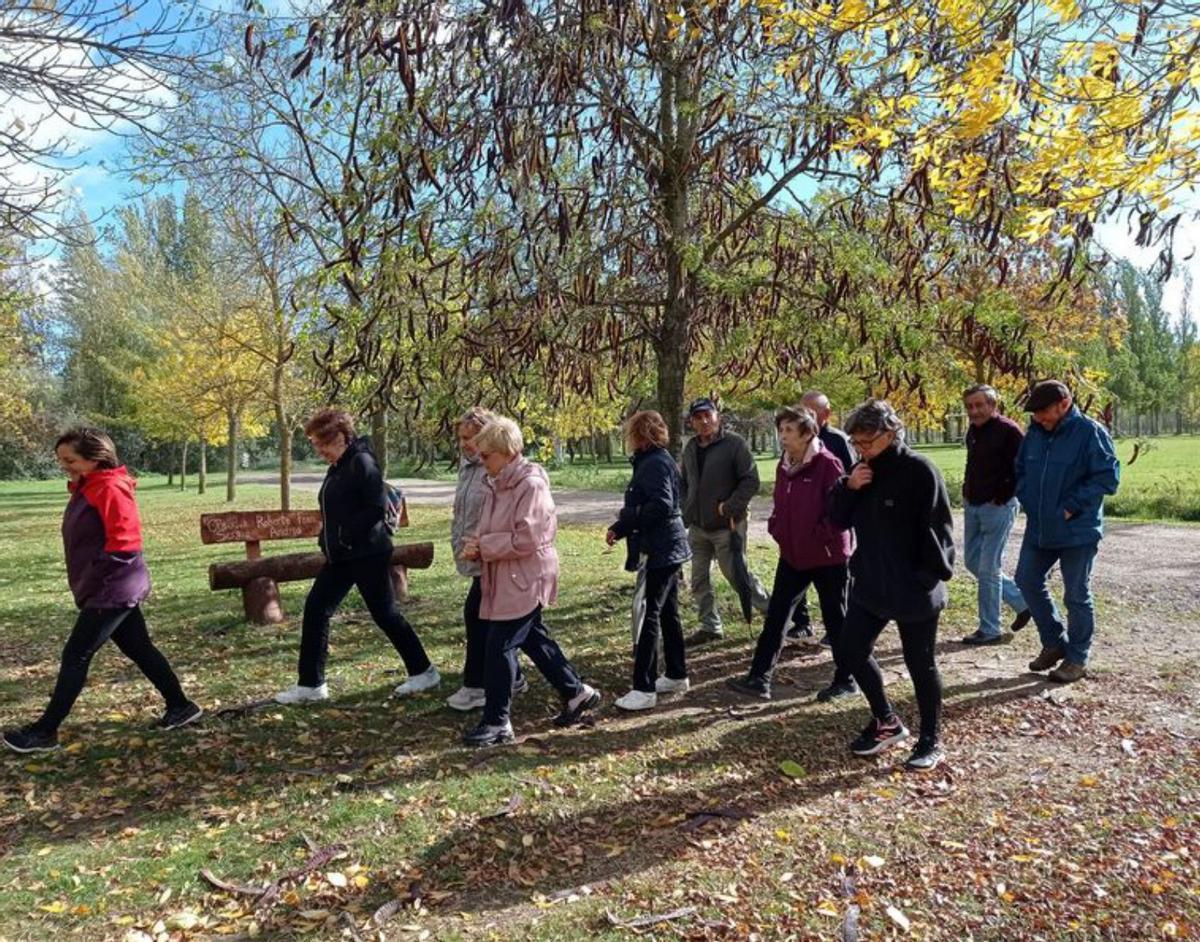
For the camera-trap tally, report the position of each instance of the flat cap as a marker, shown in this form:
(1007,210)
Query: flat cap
(1046,393)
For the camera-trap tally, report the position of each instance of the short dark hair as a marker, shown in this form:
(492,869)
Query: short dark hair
(989,391)
(91,444)
(874,415)
(327,424)
(798,415)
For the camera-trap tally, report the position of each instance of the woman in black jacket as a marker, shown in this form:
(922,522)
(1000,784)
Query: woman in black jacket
(896,501)
(652,526)
(358,552)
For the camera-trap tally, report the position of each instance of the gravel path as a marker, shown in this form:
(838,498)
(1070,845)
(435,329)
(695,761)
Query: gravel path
(1151,564)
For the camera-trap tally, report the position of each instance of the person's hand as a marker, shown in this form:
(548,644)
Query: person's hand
(1067,515)
(860,477)
(471,548)
(610,537)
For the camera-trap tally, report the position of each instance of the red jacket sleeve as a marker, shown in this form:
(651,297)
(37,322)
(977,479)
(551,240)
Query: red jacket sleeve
(119,514)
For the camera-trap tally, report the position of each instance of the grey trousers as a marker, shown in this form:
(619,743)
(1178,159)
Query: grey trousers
(707,544)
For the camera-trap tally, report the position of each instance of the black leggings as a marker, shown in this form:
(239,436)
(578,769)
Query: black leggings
(93,627)
(373,576)
(917,638)
(662,617)
(830,582)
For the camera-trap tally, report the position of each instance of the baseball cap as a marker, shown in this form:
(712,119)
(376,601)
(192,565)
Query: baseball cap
(1046,393)
(703,404)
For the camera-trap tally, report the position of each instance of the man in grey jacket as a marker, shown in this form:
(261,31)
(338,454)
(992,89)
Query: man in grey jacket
(719,480)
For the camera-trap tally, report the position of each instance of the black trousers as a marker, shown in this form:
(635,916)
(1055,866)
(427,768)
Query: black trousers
(94,626)
(662,617)
(528,634)
(372,575)
(477,632)
(917,638)
(830,583)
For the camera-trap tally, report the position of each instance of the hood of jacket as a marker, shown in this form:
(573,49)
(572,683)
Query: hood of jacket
(102,541)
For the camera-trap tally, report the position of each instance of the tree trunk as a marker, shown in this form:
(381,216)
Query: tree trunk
(285,440)
(235,421)
(379,427)
(202,481)
(183,465)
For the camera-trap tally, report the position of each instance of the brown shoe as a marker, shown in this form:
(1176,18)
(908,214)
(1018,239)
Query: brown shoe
(1047,659)
(1068,672)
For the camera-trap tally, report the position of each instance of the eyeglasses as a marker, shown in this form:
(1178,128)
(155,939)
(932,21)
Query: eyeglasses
(861,443)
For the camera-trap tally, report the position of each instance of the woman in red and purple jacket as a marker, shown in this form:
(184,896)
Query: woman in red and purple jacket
(102,536)
(811,550)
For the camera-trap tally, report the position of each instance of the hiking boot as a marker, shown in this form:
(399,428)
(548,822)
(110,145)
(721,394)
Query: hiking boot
(978,637)
(703,636)
(926,755)
(1047,659)
(179,716)
(836,690)
(302,694)
(484,735)
(30,739)
(1068,672)
(426,680)
(877,736)
(572,712)
(1020,621)
(751,686)
(465,699)
(672,685)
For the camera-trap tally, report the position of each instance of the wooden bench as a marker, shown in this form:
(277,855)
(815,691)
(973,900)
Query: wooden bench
(259,576)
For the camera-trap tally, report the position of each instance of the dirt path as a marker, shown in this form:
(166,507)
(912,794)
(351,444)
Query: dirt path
(1151,565)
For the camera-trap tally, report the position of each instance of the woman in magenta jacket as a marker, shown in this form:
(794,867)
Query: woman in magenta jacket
(102,538)
(515,543)
(812,551)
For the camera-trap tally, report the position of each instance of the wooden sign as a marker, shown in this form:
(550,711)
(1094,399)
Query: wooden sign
(254,525)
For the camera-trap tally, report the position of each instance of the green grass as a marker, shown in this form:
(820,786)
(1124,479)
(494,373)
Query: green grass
(1162,484)
(113,831)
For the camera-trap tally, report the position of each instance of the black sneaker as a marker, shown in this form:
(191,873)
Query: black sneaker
(179,716)
(926,755)
(703,636)
(835,691)
(826,641)
(573,710)
(978,637)
(1022,619)
(802,633)
(751,686)
(30,739)
(487,735)
(521,685)
(878,736)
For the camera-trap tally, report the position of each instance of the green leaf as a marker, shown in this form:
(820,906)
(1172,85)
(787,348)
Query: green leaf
(792,769)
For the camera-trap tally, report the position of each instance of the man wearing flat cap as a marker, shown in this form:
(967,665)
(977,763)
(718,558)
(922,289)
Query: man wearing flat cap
(1065,467)
(719,480)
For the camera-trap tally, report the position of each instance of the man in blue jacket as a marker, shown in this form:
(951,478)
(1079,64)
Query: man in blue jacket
(1065,466)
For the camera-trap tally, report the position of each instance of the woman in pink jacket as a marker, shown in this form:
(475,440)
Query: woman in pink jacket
(515,543)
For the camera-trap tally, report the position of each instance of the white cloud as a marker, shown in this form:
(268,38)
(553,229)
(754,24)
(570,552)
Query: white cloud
(1118,239)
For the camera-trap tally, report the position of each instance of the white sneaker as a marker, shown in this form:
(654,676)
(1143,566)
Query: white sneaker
(466,699)
(669,685)
(426,680)
(637,700)
(302,694)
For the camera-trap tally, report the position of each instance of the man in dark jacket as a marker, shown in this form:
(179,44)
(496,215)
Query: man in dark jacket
(989,510)
(837,444)
(719,480)
(1064,468)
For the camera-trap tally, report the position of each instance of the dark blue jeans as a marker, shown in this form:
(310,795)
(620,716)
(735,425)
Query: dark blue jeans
(1032,577)
(528,634)
(477,632)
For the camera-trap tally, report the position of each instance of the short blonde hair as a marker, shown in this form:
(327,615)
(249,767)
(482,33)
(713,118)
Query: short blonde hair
(646,428)
(500,435)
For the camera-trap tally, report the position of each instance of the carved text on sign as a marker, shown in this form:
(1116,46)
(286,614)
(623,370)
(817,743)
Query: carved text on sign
(255,525)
